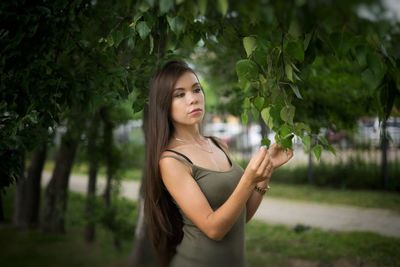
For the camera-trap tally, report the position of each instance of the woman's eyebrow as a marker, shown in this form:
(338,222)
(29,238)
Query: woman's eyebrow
(181,88)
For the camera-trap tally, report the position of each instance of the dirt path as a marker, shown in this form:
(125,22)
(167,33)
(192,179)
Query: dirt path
(289,212)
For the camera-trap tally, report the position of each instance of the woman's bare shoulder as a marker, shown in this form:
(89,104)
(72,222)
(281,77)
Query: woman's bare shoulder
(169,159)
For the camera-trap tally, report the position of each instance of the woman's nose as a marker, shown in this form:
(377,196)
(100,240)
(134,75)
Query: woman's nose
(193,98)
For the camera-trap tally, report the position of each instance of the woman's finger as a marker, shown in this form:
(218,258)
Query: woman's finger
(265,162)
(259,157)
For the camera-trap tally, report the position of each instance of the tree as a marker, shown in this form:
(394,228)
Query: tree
(54,66)
(93,158)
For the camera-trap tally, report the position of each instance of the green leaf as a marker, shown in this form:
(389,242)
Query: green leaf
(266,142)
(245,118)
(266,116)
(143,29)
(177,24)
(223,6)
(131,43)
(110,41)
(331,149)
(285,130)
(296,77)
(202,6)
(361,56)
(295,68)
(295,50)
(301,128)
(284,136)
(369,79)
(295,90)
(144,7)
(307,40)
(247,70)
(289,72)
(306,140)
(250,44)
(375,64)
(117,37)
(323,140)
(151,44)
(317,151)
(286,142)
(166,5)
(255,114)
(287,113)
(246,103)
(258,102)
(150,2)
(135,20)
(294,28)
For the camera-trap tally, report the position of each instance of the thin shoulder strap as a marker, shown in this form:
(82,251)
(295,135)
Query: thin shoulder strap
(180,154)
(219,146)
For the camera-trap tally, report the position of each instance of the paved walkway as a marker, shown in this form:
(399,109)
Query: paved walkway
(289,212)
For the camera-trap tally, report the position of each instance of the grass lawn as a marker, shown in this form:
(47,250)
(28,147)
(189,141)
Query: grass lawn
(360,198)
(34,248)
(274,245)
(267,245)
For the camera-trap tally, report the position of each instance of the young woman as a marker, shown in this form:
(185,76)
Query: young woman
(197,199)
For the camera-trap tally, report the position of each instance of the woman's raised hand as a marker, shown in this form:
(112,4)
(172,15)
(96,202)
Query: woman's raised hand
(260,166)
(279,156)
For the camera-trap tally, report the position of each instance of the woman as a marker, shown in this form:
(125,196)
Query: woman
(197,199)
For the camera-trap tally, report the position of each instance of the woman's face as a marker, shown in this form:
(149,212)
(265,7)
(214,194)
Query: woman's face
(187,105)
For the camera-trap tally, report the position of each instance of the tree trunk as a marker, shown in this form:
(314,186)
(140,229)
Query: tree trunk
(34,175)
(57,190)
(108,150)
(384,152)
(20,195)
(310,171)
(92,151)
(2,217)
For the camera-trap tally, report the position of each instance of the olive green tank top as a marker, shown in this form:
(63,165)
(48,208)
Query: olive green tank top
(196,249)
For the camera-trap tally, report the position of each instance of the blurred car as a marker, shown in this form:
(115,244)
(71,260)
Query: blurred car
(222,130)
(393,129)
(369,131)
(339,138)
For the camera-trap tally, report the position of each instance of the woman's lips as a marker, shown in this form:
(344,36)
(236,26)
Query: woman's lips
(197,110)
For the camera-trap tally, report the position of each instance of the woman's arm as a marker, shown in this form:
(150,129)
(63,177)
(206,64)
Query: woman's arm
(278,158)
(189,197)
(254,201)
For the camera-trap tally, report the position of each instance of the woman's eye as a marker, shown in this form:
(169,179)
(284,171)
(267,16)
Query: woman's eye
(180,95)
(197,90)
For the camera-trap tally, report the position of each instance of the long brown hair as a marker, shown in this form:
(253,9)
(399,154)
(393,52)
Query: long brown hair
(162,215)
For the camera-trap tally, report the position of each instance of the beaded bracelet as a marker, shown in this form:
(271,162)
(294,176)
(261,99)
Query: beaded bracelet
(260,190)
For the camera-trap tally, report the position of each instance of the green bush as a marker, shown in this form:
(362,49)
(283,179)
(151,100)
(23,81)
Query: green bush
(353,174)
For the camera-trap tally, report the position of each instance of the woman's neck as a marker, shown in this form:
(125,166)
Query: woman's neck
(187,133)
